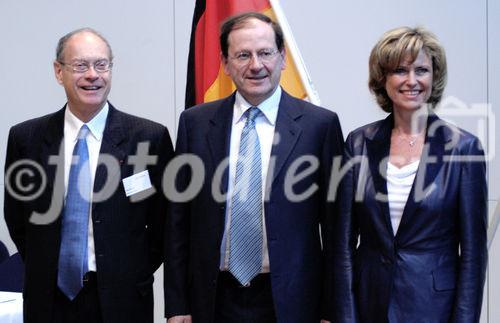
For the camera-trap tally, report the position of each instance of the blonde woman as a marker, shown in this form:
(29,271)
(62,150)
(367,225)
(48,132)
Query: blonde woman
(411,235)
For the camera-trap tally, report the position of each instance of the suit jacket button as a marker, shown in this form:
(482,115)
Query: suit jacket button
(386,261)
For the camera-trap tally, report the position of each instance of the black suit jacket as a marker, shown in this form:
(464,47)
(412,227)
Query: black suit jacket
(195,228)
(128,236)
(418,275)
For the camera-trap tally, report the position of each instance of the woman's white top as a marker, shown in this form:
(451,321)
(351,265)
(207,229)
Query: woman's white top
(399,183)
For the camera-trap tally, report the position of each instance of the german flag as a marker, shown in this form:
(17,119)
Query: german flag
(206,80)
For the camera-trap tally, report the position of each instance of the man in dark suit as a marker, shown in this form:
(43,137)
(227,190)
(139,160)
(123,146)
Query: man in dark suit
(89,254)
(249,246)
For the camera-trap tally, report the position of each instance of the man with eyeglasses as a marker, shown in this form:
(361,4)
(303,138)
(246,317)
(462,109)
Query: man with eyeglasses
(93,237)
(251,246)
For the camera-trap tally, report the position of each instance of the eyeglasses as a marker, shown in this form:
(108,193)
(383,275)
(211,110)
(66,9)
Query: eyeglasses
(264,56)
(100,66)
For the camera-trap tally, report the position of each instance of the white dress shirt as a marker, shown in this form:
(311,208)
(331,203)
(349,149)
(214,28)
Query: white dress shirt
(264,125)
(96,126)
(399,183)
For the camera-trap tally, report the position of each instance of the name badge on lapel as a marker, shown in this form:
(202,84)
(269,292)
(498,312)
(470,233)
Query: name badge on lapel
(137,183)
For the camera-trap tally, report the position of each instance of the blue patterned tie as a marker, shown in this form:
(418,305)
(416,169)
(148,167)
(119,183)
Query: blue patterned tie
(245,251)
(73,253)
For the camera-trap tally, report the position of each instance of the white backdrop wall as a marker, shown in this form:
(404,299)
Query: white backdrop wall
(150,41)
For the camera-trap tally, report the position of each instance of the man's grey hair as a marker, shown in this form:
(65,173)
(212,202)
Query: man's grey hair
(61,45)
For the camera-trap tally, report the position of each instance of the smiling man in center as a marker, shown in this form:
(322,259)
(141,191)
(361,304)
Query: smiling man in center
(257,255)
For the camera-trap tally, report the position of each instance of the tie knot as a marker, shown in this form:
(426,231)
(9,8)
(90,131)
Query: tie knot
(84,130)
(253,113)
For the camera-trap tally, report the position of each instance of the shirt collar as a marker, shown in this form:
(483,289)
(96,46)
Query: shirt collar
(269,107)
(96,125)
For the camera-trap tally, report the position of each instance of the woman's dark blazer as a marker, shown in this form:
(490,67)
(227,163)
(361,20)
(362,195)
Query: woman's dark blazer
(433,269)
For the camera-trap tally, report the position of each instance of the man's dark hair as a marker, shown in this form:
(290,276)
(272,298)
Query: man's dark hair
(239,21)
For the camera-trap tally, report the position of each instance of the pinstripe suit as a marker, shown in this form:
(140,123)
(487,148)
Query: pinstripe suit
(128,236)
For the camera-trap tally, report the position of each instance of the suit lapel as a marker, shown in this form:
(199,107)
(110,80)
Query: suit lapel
(378,149)
(218,137)
(286,133)
(430,165)
(112,139)
(52,145)
(287,129)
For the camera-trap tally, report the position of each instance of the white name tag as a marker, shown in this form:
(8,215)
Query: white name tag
(137,183)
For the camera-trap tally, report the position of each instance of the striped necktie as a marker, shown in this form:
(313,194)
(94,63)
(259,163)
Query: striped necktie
(245,249)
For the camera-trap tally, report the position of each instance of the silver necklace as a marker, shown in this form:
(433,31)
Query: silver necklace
(412,140)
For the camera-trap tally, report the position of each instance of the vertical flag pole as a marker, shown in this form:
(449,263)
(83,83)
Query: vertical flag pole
(493,226)
(295,53)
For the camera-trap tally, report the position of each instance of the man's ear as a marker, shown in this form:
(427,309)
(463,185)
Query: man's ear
(283,57)
(58,72)
(224,62)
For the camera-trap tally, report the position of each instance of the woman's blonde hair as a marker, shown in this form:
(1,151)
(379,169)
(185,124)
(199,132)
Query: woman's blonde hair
(395,46)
